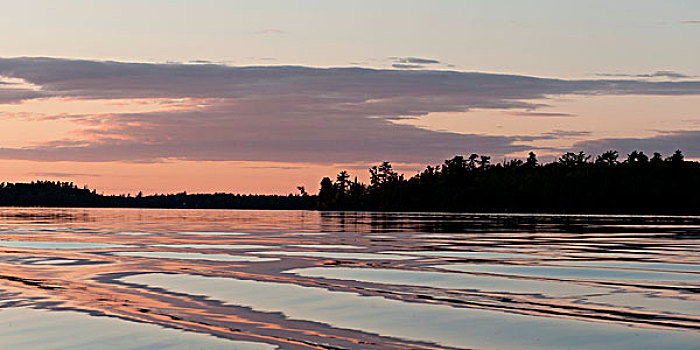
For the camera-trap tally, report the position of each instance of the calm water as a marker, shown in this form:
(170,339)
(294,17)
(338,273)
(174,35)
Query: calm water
(174,279)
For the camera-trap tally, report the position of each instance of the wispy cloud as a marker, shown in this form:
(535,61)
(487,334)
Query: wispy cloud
(412,62)
(415,60)
(287,114)
(658,74)
(691,22)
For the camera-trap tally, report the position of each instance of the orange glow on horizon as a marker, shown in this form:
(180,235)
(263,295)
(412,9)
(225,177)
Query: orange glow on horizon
(192,176)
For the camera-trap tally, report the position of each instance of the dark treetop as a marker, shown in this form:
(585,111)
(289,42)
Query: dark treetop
(66,194)
(575,183)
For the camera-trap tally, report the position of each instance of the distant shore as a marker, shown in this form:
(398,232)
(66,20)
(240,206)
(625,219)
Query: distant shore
(67,194)
(573,184)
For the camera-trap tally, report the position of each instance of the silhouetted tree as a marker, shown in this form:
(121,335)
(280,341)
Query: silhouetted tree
(608,158)
(484,161)
(342,181)
(327,194)
(571,159)
(637,157)
(656,159)
(473,160)
(456,166)
(382,174)
(513,163)
(531,161)
(677,157)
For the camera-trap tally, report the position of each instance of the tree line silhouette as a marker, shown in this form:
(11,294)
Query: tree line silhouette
(67,194)
(574,183)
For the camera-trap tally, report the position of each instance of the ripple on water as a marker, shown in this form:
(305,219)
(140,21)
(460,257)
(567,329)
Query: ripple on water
(451,281)
(340,255)
(212,233)
(31,329)
(212,246)
(650,302)
(575,273)
(326,246)
(378,248)
(52,261)
(59,245)
(636,265)
(468,254)
(458,327)
(131,233)
(194,256)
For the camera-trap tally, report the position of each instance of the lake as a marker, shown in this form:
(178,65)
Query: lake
(235,279)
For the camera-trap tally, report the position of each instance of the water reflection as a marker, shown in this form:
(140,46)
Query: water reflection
(296,279)
(30,329)
(443,325)
(57,245)
(339,255)
(453,281)
(574,273)
(192,256)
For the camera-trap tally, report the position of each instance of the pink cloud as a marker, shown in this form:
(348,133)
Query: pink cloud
(287,114)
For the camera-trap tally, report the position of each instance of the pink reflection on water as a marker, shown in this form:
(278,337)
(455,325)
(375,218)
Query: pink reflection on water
(76,258)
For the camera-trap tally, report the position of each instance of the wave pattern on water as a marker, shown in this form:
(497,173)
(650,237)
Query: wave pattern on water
(311,280)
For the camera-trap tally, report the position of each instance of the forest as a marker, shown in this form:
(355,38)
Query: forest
(573,183)
(67,194)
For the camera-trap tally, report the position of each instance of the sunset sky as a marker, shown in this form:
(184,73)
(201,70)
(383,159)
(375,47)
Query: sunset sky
(262,96)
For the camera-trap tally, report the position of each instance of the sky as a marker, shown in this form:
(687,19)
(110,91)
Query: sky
(263,96)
